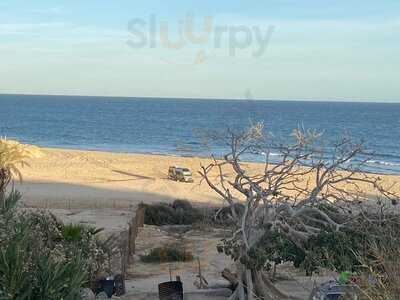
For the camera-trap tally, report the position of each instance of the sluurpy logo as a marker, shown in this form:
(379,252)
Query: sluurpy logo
(203,41)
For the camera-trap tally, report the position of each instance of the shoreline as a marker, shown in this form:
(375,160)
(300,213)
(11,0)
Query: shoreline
(198,156)
(121,152)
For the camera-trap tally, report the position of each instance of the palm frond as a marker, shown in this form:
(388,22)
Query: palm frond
(14,155)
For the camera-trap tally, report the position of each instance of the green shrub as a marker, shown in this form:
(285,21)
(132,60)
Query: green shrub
(182,204)
(158,214)
(28,272)
(167,254)
(60,280)
(41,258)
(180,212)
(336,250)
(72,232)
(15,277)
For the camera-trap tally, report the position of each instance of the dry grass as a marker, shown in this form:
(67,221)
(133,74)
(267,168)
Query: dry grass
(14,155)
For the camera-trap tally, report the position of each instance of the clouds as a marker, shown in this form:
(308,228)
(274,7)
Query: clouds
(318,50)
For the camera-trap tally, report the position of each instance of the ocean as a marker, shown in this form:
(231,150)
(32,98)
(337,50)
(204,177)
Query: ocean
(174,126)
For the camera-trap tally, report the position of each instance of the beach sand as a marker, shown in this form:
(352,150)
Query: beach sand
(89,179)
(61,178)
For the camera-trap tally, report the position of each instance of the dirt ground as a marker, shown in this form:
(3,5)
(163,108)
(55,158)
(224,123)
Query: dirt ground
(144,278)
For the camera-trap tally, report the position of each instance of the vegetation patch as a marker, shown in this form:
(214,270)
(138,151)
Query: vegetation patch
(180,212)
(41,258)
(167,254)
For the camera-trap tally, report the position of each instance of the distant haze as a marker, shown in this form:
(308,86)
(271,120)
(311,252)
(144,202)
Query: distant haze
(286,49)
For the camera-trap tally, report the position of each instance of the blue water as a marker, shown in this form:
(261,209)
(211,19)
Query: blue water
(170,126)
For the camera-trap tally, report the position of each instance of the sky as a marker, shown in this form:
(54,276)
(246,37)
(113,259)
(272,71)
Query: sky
(282,50)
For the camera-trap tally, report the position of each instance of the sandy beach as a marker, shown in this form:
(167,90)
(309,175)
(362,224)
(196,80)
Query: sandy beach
(89,179)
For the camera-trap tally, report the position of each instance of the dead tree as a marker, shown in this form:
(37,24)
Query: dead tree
(287,194)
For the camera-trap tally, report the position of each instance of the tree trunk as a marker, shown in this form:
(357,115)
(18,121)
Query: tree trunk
(5,179)
(278,294)
(258,286)
(235,295)
(240,287)
(249,284)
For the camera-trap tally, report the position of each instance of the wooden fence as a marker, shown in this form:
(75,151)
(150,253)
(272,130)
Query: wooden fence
(128,246)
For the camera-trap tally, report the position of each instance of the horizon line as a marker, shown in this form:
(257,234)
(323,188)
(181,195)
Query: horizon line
(207,98)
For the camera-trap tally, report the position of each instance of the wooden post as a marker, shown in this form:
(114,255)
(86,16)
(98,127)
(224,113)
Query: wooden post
(203,281)
(135,223)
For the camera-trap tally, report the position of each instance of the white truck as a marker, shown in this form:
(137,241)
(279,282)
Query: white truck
(180,174)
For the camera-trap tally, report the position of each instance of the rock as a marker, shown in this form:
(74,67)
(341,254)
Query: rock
(87,294)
